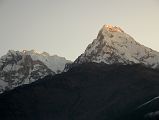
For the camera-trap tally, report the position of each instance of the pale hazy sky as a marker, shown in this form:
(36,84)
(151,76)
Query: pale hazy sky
(66,27)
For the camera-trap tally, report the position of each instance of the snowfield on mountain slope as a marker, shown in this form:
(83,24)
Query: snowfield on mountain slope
(113,45)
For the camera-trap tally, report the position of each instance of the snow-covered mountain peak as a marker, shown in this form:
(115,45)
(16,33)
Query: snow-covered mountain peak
(30,52)
(113,45)
(111,28)
(54,62)
(111,34)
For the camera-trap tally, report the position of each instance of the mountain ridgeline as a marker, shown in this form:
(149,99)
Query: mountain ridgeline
(116,78)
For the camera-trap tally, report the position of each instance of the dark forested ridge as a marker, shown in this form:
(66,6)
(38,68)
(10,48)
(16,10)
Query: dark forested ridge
(87,92)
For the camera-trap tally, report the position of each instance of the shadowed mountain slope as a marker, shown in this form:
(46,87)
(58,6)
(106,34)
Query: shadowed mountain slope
(87,92)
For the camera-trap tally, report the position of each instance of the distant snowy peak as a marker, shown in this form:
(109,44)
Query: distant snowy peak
(113,45)
(55,63)
(18,68)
